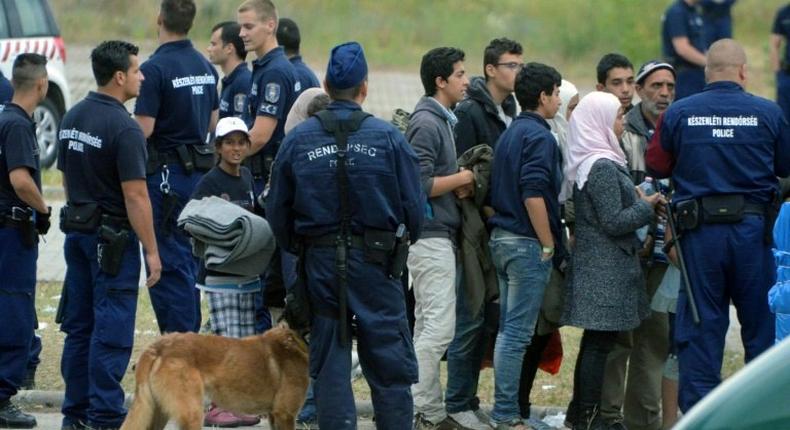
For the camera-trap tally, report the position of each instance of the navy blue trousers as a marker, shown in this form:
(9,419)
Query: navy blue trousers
(386,352)
(726,262)
(175,299)
(98,320)
(17,309)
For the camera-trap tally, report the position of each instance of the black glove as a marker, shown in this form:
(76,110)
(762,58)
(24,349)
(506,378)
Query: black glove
(42,221)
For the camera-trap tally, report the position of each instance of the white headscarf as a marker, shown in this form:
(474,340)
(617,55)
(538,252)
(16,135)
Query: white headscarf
(591,136)
(298,112)
(567,91)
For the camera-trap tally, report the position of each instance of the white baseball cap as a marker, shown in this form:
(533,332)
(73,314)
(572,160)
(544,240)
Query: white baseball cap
(229,125)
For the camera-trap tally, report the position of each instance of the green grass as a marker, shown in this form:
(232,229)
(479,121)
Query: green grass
(548,390)
(569,34)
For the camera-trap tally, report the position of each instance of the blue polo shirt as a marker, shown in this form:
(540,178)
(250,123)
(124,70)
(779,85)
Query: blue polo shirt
(274,90)
(304,74)
(682,20)
(18,149)
(233,94)
(782,28)
(725,141)
(180,91)
(6,89)
(100,146)
(527,163)
(383,177)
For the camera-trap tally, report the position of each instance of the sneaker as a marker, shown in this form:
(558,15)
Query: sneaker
(538,424)
(515,424)
(309,424)
(216,417)
(11,417)
(483,416)
(467,420)
(422,423)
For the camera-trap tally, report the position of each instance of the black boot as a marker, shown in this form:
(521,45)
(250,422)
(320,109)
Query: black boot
(589,419)
(11,417)
(30,379)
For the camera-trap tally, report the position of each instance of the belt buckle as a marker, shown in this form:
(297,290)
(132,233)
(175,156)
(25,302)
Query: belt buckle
(20,214)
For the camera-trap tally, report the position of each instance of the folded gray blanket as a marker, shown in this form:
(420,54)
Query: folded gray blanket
(229,238)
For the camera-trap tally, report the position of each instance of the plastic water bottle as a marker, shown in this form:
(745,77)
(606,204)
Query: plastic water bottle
(649,188)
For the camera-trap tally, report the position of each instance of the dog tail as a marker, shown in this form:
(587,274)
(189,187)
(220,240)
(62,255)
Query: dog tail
(141,414)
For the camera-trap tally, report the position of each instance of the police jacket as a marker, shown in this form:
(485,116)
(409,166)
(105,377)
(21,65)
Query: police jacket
(383,181)
(722,141)
(478,117)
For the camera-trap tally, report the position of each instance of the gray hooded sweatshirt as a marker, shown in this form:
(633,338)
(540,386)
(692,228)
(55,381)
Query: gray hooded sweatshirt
(430,134)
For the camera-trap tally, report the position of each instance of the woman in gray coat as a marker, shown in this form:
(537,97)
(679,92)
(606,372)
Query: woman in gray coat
(603,295)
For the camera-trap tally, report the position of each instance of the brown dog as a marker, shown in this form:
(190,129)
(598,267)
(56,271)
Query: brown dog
(264,374)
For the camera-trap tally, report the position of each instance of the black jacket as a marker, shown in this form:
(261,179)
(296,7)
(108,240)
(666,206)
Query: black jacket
(478,119)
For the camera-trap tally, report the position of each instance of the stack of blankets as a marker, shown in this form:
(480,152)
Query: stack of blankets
(227,237)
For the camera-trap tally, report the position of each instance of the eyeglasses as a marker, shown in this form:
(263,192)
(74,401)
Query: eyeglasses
(512,65)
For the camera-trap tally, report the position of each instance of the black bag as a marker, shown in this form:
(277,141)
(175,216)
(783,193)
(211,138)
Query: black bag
(378,246)
(203,157)
(723,209)
(82,218)
(687,214)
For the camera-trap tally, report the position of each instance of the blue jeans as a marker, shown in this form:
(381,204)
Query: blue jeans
(464,356)
(522,277)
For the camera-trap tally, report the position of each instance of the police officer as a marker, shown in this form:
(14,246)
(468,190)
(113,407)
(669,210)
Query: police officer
(274,86)
(177,109)
(683,46)
(780,34)
(343,209)
(6,93)
(226,50)
(724,149)
(289,38)
(102,156)
(717,19)
(23,213)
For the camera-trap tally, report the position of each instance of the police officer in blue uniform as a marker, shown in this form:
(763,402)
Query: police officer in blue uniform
(274,86)
(724,149)
(345,201)
(717,19)
(102,156)
(177,109)
(780,34)
(683,45)
(226,50)
(289,37)
(23,215)
(6,94)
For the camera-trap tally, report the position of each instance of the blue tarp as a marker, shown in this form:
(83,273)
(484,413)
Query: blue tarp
(779,295)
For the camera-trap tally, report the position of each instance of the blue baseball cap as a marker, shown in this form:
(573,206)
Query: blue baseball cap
(347,66)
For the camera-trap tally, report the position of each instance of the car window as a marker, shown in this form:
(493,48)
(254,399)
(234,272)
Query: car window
(33,17)
(3,23)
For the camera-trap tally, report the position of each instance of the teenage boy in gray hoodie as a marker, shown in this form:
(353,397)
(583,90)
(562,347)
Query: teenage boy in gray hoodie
(432,259)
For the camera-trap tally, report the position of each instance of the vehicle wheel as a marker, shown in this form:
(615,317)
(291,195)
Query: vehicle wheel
(47,118)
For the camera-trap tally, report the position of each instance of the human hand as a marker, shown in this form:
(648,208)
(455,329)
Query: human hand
(652,200)
(154,269)
(465,191)
(43,222)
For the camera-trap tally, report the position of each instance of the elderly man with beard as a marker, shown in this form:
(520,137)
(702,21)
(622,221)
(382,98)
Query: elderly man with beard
(635,400)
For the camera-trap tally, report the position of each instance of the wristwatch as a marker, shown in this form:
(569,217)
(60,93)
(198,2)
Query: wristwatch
(548,250)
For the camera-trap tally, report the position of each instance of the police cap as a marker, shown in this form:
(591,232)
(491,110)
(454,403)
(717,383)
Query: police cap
(347,67)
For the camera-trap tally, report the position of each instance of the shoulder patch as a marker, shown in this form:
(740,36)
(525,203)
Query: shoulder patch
(239,102)
(272,94)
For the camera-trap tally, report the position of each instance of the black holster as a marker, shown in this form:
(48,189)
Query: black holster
(400,254)
(170,204)
(297,311)
(112,245)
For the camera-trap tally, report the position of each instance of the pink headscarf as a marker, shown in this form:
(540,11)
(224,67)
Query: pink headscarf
(591,136)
